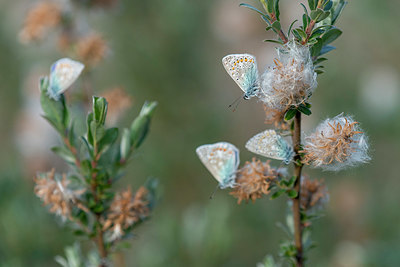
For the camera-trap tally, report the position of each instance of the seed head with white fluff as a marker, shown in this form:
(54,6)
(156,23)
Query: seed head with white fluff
(292,80)
(336,144)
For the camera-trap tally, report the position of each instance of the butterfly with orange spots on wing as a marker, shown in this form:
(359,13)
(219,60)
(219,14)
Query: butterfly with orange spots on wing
(243,70)
(63,74)
(222,160)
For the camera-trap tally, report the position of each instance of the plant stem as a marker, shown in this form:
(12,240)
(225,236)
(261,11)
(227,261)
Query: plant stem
(100,243)
(296,201)
(99,231)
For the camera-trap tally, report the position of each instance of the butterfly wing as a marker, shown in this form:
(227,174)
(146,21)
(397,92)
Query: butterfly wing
(222,160)
(243,70)
(272,145)
(63,74)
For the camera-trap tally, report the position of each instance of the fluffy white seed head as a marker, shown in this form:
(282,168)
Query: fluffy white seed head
(292,80)
(336,144)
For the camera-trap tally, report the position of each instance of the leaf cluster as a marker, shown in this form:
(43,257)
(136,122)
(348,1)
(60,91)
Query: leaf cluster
(97,157)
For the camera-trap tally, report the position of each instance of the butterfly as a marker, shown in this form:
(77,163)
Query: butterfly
(272,145)
(243,70)
(63,74)
(222,160)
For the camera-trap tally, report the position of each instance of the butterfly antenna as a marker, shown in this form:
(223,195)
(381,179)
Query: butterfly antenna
(235,103)
(215,190)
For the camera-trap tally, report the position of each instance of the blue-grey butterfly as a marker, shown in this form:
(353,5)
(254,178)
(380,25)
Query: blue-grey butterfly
(63,74)
(222,160)
(243,70)
(272,145)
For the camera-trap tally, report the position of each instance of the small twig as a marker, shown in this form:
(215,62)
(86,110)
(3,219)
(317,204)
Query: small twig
(280,33)
(310,26)
(297,186)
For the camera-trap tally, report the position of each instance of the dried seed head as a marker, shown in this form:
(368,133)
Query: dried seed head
(292,80)
(275,117)
(125,211)
(91,49)
(55,193)
(42,17)
(313,194)
(336,144)
(253,180)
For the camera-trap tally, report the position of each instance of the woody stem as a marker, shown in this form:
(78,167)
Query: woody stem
(296,201)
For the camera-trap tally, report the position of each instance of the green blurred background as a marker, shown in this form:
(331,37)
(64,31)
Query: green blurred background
(171,51)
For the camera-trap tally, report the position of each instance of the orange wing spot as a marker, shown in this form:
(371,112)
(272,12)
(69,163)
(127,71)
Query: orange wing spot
(245,59)
(241,60)
(224,149)
(233,68)
(234,64)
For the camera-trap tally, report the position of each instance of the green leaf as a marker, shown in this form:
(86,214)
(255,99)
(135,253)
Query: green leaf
(312,4)
(290,114)
(87,146)
(276,8)
(290,27)
(99,109)
(338,10)
(71,135)
(300,34)
(316,33)
(330,36)
(291,181)
(141,124)
(64,153)
(109,137)
(270,6)
(268,28)
(274,41)
(305,9)
(328,5)
(252,8)
(325,49)
(319,71)
(305,21)
(303,109)
(316,48)
(276,25)
(55,111)
(315,14)
(89,121)
(292,193)
(323,16)
(125,146)
(278,193)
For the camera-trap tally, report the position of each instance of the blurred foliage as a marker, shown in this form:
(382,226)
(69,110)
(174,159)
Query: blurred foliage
(171,51)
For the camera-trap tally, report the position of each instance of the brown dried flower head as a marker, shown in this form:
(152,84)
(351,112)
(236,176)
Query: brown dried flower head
(313,194)
(336,144)
(92,49)
(39,20)
(55,193)
(253,180)
(125,211)
(292,80)
(276,117)
(118,102)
